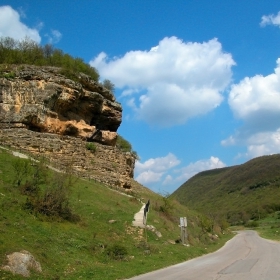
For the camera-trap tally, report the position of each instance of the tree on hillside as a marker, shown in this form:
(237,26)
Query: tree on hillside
(109,85)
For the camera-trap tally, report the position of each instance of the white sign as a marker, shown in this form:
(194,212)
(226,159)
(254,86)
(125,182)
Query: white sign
(185,222)
(181,222)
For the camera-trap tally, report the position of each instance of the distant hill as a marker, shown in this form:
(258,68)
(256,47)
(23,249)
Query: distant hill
(238,193)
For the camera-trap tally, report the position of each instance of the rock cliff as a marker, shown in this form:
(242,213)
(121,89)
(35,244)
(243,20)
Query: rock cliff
(41,99)
(45,113)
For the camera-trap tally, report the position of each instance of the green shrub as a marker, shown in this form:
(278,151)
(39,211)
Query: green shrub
(10,75)
(167,205)
(53,203)
(123,144)
(252,224)
(21,168)
(109,85)
(91,147)
(29,189)
(116,252)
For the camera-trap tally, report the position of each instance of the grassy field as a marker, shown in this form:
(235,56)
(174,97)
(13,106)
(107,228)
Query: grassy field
(100,243)
(269,227)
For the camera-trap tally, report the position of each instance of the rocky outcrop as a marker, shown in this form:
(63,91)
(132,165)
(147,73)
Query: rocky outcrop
(21,263)
(41,99)
(105,164)
(45,114)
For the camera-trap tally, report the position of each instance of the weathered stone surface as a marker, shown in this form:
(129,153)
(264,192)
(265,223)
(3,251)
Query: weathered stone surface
(107,164)
(41,99)
(21,263)
(43,113)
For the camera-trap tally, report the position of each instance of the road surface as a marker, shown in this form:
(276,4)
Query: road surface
(245,257)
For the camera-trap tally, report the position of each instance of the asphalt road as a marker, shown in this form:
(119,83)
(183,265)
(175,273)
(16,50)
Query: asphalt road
(245,257)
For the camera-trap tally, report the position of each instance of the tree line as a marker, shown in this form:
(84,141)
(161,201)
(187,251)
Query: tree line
(27,51)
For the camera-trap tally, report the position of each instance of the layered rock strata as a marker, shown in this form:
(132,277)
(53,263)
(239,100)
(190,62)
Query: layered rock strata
(106,164)
(41,99)
(45,114)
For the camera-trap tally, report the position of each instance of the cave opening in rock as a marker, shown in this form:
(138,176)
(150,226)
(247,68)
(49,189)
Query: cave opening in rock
(34,128)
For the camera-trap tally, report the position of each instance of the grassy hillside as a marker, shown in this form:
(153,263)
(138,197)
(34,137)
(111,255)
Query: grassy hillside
(238,193)
(87,233)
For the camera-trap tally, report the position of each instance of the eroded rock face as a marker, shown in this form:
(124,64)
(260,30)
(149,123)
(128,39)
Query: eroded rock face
(106,164)
(45,114)
(41,99)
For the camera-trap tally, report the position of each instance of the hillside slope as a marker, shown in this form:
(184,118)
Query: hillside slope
(93,237)
(239,193)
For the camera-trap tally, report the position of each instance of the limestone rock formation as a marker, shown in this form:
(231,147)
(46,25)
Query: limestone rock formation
(41,99)
(43,113)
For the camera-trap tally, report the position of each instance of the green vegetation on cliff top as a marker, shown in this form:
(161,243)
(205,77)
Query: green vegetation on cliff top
(29,52)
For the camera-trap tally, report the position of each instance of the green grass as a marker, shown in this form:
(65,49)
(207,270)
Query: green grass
(79,250)
(269,227)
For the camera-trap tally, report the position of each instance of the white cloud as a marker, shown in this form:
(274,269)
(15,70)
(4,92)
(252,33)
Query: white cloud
(53,37)
(261,143)
(174,80)
(256,101)
(158,164)
(264,143)
(194,168)
(153,169)
(148,177)
(11,26)
(271,20)
(162,169)
(255,95)
(168,180)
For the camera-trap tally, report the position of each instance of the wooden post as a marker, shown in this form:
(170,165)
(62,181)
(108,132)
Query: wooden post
(183,225)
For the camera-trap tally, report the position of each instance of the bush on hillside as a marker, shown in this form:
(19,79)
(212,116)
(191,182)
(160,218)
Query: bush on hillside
(109,85)
(116,252)
(125,146)
(91,147)
(46,196)
(53,202)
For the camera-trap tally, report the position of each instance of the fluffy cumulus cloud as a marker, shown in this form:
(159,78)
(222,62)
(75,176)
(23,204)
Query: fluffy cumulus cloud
(263,143)
(256,101)
(153,169)
(193,168)
(270,20)
(253,96)
(11,25)
(171,82)
(163,170)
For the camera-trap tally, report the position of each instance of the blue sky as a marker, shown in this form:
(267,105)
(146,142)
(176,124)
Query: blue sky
(199,81)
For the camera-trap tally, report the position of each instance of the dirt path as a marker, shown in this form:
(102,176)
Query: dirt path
(138,218)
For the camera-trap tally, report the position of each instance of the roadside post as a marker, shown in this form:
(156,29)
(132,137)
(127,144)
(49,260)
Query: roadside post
(145,217)
(183,225)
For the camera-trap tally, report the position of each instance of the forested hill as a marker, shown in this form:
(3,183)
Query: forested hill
(239,193)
